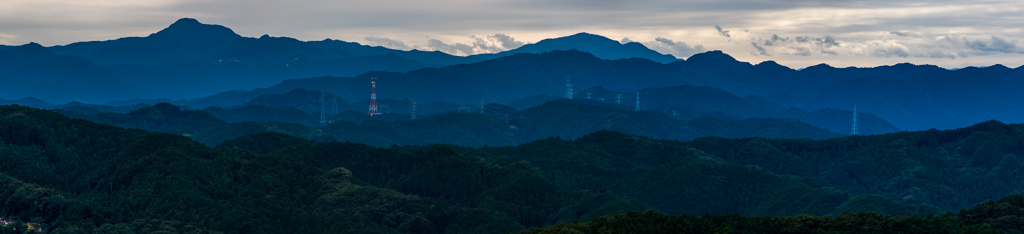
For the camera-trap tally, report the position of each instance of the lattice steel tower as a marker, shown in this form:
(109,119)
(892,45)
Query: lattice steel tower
(334,103)
(323,109)
(853,131)
(637,101)
(568,88)
(373,97)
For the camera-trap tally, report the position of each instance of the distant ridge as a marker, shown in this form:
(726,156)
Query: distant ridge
(211,39)
(175,64)
(188,29)
(190,59)
(599,46)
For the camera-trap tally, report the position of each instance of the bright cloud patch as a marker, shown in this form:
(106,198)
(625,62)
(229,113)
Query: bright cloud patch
(478,45)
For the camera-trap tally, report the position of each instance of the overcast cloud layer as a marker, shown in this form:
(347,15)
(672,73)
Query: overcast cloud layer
(795,33)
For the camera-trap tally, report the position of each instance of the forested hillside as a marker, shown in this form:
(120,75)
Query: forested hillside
(910,97)
(499,125)
(72,175)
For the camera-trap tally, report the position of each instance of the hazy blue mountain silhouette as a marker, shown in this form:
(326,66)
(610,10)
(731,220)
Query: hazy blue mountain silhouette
(29,101)
(841,121)
(191,30)
(911,97)
(31,70)
(501,80)
(694,102)
(563,118)
(189,59)
(598,45)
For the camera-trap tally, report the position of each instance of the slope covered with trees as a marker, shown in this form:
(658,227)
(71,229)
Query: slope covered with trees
(562,118)
(1002,216)
(72,175)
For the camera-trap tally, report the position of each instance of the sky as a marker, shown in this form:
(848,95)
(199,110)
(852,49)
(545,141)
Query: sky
(794,33)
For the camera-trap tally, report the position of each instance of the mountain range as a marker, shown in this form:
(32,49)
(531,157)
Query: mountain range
(911,97)
(189,59)
(500,126)
(210,65)
(197,129)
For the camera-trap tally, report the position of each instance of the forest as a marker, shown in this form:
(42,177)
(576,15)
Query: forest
(212,126)
(71,175)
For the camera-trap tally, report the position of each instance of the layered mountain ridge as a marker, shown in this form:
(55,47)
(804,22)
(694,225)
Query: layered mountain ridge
(191,60)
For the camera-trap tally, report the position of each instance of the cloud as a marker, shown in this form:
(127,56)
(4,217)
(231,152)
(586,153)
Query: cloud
(722,32)
(901,33)
(916,24)
(494,43)
(996,44)
(940,54)
(904,45)
(454,48)
(800,45)
(889,49)
(826,42)
(760,50)
(774,39)
(801,51)
(478,45)
(979,45)
(386,42)
(507,42)
(667,46)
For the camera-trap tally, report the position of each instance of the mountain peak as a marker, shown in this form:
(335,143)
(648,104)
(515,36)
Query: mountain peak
(819,66)
(32,45)
(598,45)
(186,22)
(589,36)
(771,66)
(768,63)
(191,30)
(714,56)
(998,67)
(28,52)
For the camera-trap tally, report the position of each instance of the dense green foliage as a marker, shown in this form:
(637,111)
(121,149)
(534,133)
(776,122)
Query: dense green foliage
(500,125)
(1003,216)
(868,222)
(75,176)
(928,167)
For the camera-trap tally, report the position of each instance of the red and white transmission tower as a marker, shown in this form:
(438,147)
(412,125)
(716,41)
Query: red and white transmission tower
(373,97)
